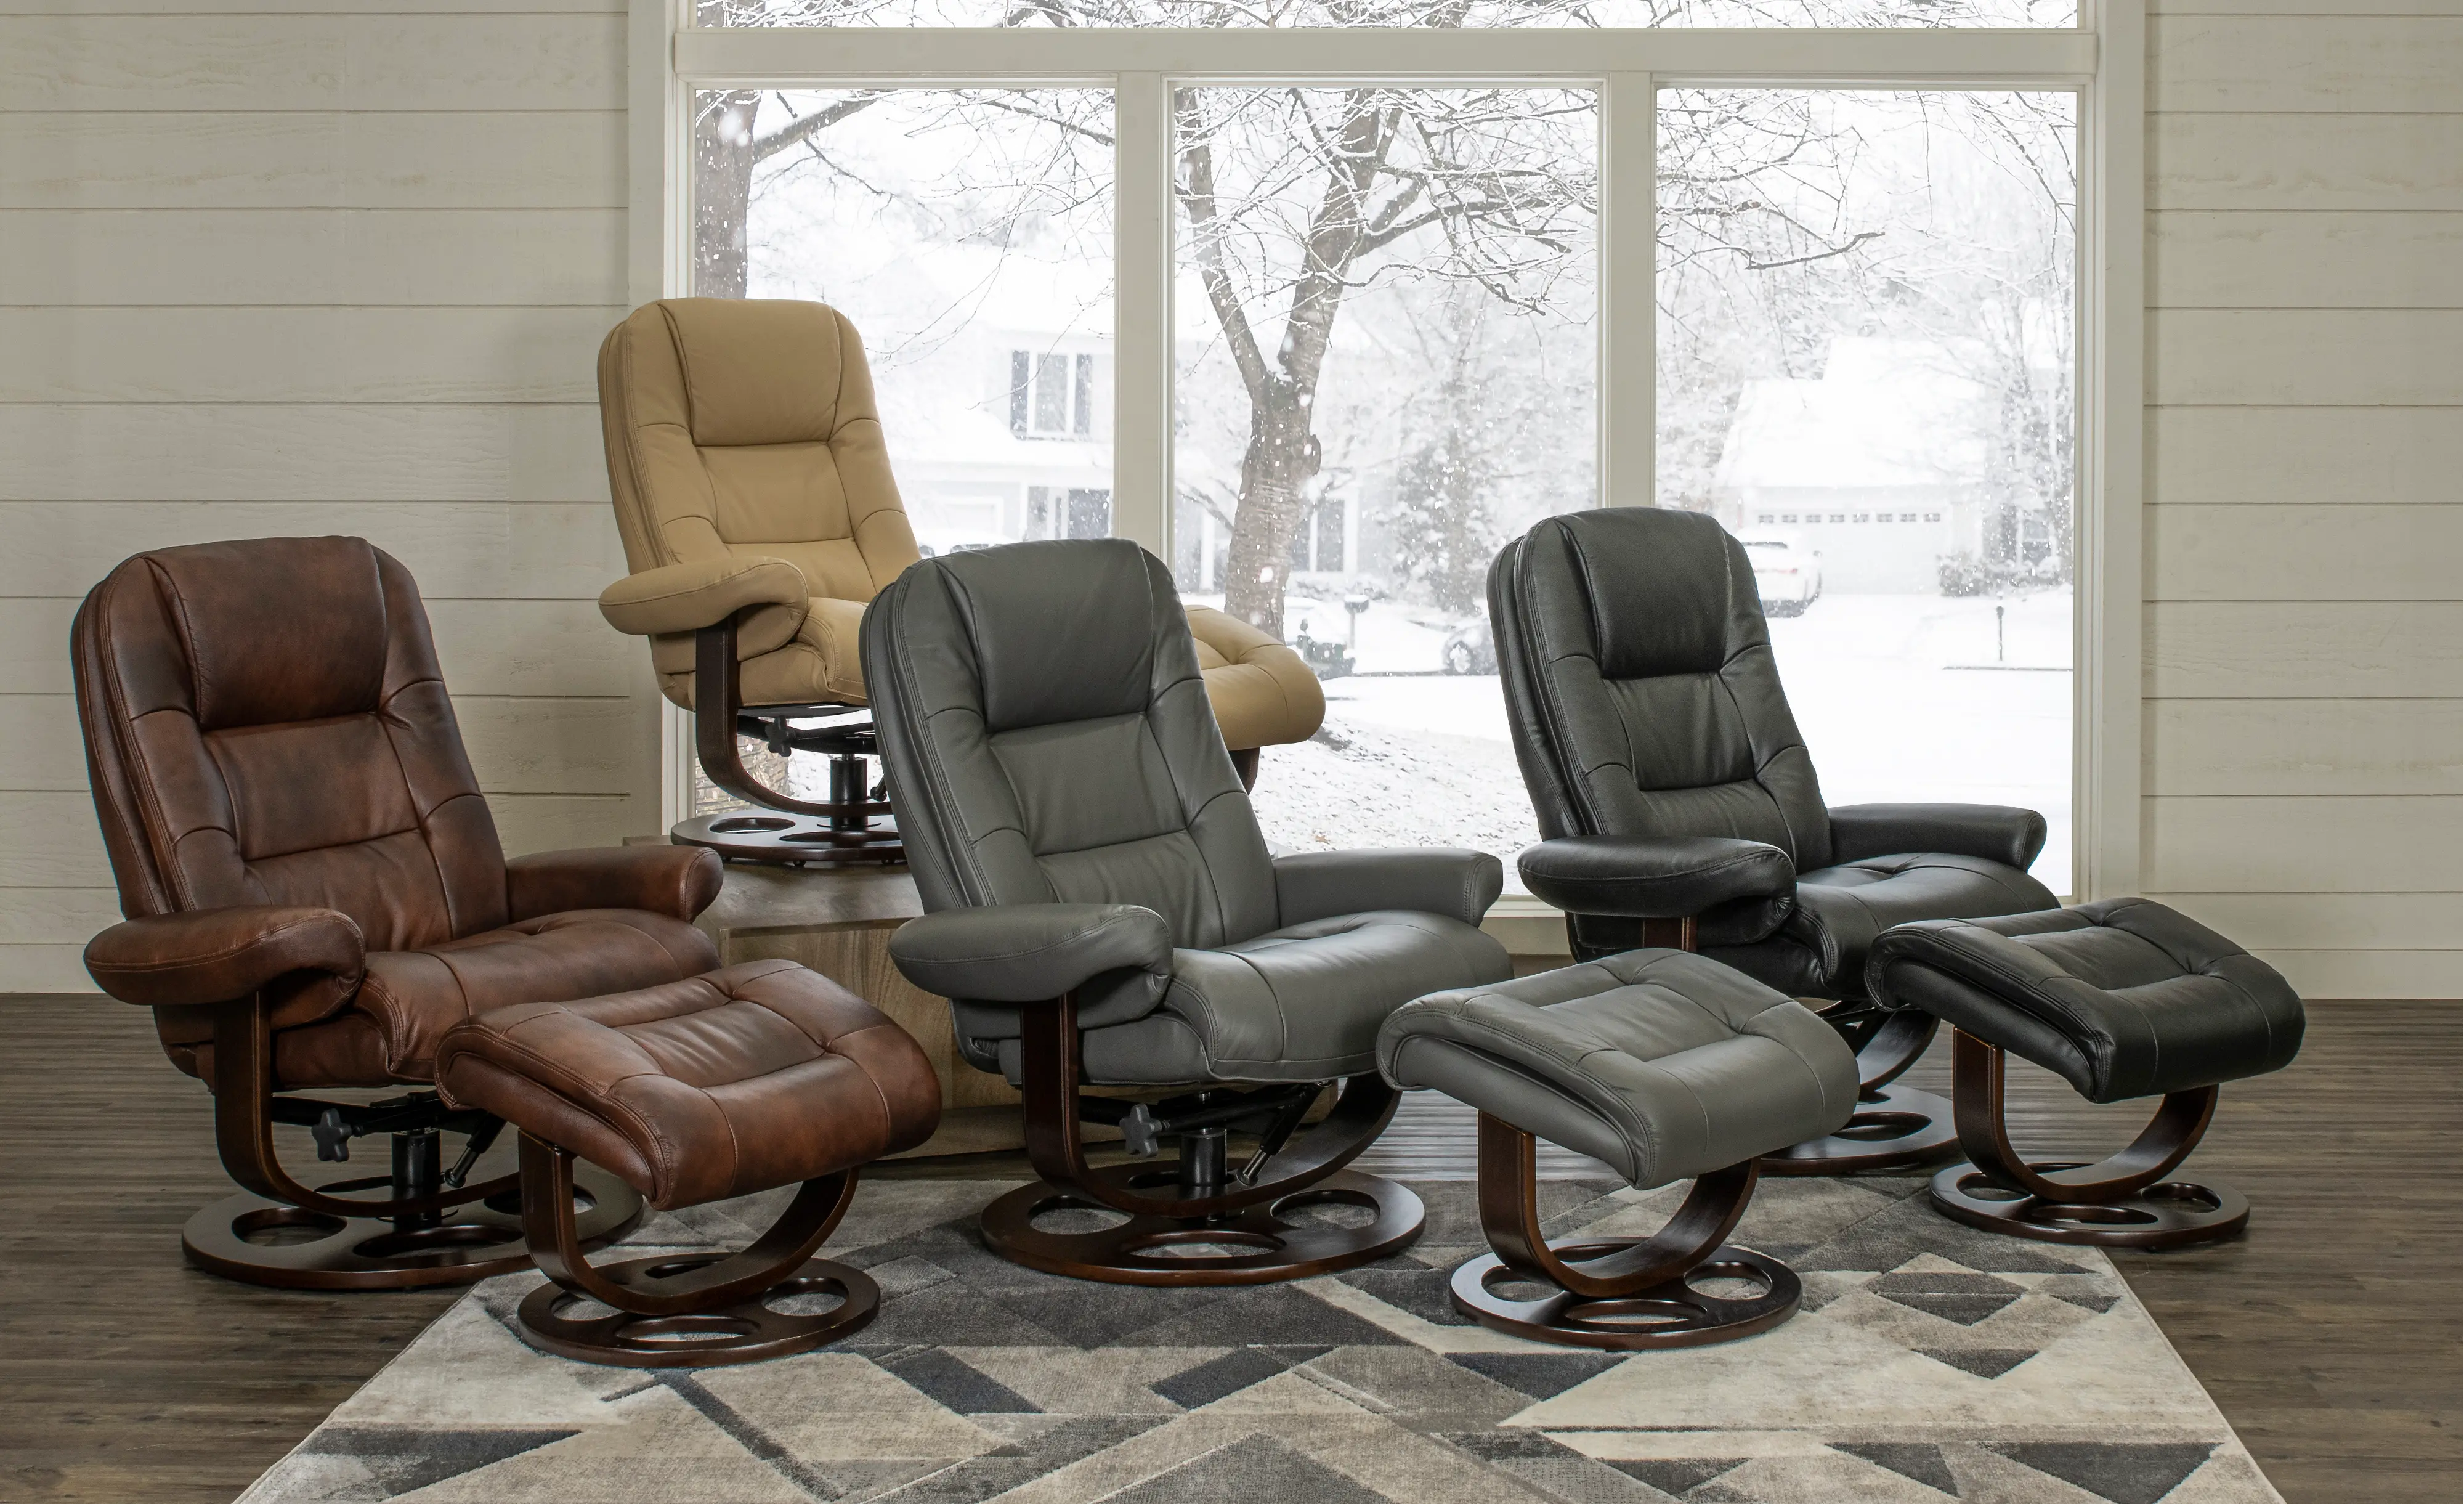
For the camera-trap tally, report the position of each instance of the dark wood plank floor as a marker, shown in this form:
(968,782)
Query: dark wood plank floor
(2329,1334)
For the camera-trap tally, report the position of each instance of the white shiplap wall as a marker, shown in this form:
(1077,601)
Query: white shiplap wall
(2302,724)
(300,266)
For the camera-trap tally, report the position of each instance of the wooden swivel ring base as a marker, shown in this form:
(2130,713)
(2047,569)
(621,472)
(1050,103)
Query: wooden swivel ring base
(263,1242)
(1252,1245)
(693,1310)
(1221,1231)
(2127,1200)
(795,840)
(1895,1127)
(1625,1295)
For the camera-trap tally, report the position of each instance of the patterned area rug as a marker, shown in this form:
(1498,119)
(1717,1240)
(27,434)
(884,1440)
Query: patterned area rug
(1930,1362)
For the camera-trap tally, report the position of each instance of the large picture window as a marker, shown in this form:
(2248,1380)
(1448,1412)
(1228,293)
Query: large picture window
(1323,302)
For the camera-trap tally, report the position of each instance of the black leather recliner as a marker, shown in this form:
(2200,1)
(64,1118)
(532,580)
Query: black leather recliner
(1680,806)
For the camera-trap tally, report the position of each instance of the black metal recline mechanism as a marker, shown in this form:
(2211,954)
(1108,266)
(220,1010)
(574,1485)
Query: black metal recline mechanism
(1204,1122)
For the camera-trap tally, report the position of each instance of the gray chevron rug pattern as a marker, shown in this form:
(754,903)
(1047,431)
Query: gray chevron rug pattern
(1929,1363)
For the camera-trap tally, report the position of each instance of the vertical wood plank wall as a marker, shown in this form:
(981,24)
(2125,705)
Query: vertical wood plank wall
(294,266)
(2302,726)
(306,266)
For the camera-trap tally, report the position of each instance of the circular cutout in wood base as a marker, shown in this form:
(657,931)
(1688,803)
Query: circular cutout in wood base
(2167,1214)
(746,1332)
(1671,1313)
(1896,1128)
(1345,1220)
(793,840)
(261,1242)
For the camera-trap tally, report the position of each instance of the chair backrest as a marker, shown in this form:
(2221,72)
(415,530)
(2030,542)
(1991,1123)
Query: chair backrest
(265,724)
(1049,740)
(748,426)
(1640,688)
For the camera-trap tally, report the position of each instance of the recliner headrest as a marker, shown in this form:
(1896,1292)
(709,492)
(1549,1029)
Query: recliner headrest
(758,371)
(276,630)
(1662,607)
(1062,631)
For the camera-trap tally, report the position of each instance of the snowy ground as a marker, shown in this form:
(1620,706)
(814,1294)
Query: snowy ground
(1900,697)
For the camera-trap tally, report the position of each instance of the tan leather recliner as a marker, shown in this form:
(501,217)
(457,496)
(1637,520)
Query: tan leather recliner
(753,488)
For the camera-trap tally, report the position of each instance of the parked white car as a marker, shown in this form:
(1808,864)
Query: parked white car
(1788,574)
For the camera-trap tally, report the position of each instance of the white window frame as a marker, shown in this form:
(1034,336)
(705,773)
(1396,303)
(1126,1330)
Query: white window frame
(2103,60)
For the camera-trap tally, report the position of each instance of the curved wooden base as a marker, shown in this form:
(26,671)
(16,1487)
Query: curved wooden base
(1670,1314)
(2167,1214)
(744,1332)
(1209,1230)
(1635,1293)
(263,1242)
(791,840)
(1895,1128)
(2126,1201)
(691,1310)
(1253,1245)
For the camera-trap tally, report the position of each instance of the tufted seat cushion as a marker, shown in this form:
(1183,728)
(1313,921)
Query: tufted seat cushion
(719,1085)
(1820,948)
(2123,997)
(1662,1064)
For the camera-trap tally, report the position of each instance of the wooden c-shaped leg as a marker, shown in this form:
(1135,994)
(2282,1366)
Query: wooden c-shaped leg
(691,1310)
(2128,1200)
(1636,1293)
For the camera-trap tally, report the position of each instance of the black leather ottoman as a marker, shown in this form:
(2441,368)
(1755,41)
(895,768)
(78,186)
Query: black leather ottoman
(1666,1066)
(2122,998)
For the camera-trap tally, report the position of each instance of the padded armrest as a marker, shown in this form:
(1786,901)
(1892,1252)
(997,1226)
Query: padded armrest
(1431,879)
(688,597)
(1263,695)
(1670,877)
(1030,952)
(1988,832)
(678,881)
(222,955)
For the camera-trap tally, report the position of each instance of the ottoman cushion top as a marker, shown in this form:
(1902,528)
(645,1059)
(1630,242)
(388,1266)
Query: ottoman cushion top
(1664,1064)
(719,1085)
(2122,997)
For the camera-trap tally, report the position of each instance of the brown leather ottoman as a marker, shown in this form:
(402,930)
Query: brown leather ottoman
(720,1085)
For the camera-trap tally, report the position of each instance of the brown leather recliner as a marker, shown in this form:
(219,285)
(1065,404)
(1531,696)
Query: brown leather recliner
(314,893)
(754,493)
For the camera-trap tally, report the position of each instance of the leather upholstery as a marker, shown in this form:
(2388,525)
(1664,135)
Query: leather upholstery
(266,732)
(223,955)
(1662,1064)
(2122,997)
(1262,694)
(742,433)
(1048,742)
(1742,889)
(746,459)
(1031,952)
(1646,705)
(720,1085)
(1995,833)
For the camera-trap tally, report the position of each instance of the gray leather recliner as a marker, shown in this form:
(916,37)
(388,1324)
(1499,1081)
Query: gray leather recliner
(1101,909)
(1680,806)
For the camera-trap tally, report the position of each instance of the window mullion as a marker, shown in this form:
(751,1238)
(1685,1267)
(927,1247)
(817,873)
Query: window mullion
(1142,310)
(1629,305)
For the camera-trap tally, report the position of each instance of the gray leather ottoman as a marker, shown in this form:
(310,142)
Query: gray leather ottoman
(1666,1066)
(2122,998)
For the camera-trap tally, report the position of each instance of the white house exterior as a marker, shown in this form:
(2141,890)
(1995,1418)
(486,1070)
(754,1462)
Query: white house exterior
(1877,464)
